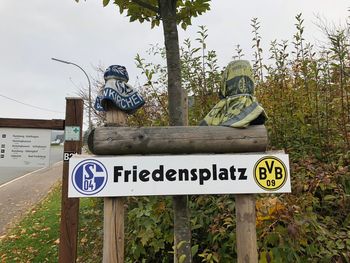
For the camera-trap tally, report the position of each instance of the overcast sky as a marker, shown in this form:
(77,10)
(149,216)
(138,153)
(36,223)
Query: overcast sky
(87,34)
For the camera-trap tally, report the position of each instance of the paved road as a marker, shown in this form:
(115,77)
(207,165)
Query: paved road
(19,196)
(9,173)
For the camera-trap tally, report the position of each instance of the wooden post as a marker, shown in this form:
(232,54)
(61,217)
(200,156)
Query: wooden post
(246,229)
(113,226)
(247,250)
(70,206)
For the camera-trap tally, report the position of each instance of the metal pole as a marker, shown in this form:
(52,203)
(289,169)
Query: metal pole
(71,63)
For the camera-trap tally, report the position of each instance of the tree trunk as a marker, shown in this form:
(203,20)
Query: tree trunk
(177,117)
(176,95)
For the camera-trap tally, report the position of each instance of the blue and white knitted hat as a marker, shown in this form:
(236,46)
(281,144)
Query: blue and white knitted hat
(116,72)
(117,91)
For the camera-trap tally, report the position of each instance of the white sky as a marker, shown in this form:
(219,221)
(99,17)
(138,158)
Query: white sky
(31,32)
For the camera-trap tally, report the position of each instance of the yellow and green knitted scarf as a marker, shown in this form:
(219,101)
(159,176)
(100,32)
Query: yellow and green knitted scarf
(238,108)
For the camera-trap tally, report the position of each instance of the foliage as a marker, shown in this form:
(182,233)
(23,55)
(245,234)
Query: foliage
(200,79)
(148,10)
(151,230)
(305,91)
(307,96)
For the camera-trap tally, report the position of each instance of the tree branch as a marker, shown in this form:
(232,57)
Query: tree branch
(146,5)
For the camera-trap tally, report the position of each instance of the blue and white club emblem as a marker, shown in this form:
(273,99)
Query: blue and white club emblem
(89,177)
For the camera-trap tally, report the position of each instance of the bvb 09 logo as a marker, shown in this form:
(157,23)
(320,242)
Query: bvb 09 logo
(270,173)
(89,177)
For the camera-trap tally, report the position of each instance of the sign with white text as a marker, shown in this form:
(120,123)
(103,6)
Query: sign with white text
(178,175)
(24,147)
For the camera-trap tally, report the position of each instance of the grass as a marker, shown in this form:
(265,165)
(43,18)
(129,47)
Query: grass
(36,237)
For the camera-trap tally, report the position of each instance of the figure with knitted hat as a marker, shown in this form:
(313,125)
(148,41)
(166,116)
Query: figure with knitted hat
(238,107)
(118,91)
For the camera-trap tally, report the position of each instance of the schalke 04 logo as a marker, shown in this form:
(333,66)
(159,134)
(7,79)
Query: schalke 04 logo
(89,177)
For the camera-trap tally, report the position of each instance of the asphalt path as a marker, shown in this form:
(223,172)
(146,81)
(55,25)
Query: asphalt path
(19,195)
(8,174)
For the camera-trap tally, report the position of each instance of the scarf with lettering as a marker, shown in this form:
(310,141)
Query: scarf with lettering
(118,91)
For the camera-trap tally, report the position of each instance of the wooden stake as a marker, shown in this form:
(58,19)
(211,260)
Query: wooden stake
(246,229)
(113,226)
(70,206)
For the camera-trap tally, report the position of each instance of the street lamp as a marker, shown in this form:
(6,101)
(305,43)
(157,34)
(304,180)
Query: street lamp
(71,63)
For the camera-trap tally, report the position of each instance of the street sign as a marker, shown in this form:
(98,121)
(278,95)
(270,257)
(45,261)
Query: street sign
(72,133)
(178,175)
(24,147)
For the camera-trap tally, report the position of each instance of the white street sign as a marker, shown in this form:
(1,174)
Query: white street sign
(72,133)
(24,147)
(178,175)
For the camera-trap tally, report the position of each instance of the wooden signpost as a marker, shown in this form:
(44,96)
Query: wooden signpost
(70,206)
(179,140)
(210,169)
(198,139)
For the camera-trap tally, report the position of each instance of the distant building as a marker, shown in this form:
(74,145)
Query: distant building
(59,139)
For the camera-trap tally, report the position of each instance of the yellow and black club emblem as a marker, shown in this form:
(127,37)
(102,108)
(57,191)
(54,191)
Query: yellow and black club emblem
(270,173)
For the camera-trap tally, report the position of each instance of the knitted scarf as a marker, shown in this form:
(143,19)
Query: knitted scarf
(238,107)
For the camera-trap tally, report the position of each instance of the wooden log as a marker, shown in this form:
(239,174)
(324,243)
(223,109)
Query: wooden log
(113,222)
(32,123)
(177,140)
(246,229)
